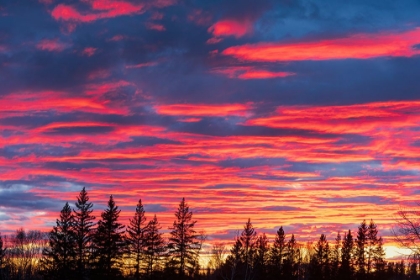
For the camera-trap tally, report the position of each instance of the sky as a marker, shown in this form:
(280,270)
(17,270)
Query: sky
(301,114)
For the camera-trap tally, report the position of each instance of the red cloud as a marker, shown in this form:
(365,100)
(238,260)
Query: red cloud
(359,46)
(106,8)
(51,45)
(230,28)
(204,110)
(248,72)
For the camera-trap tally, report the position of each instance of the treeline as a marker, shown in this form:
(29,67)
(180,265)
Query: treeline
(81,247)
(348,257)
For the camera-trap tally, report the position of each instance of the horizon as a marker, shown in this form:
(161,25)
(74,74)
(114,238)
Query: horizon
(291,113)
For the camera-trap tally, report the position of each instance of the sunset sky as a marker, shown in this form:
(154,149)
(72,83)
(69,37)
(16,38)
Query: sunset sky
(304,114)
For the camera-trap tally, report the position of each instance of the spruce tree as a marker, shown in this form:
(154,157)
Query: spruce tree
(278,253)
(59,258)
(378,259)
(155,246)
(234,262)
(261,257)
(2,256)
(83,228)
(371,245)
(361,246)
(109,242)
(183,243)
(346,269)
(336,256)
(291,263)
(320,262)
(136,239)
(248,239)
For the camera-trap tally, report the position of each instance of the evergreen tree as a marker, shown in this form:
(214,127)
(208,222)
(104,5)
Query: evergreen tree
(261,257)
(320,262)
(136,238)
(59,258)
(83,229)
(233,265)
(2,257)
(109,242)
(336,256)
(361,246)
(155,246)
(248,240)
(291,263)
(346,269)
(378,259)
(183,242)
(371,245)
(278,253)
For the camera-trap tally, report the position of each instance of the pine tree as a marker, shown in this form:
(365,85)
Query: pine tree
(336,256)
(378,259)
(372,242)
(361,246)
(320,262)
(291,263)
(109,242)
(261,256)
(2,256)
(278,253)
(83,228)
(233,262)
(59,258)
(155,246)
(248,240)
(136,238)
(346,269)
(183,242)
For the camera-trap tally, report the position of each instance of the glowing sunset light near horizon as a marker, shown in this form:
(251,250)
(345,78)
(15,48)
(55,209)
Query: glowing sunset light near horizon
(290,113)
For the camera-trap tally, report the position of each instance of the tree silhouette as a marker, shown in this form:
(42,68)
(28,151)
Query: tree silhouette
(59,258)
(109,242)
(155,246)
(291,263)
(320,261)
(261,257)
(2,257)
(361,244)
(136,238)
(278,253)
(336,256)
(248,239)
(183,242)
(83,228)
(346,269)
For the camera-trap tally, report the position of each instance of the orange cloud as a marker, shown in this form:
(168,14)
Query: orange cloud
(358,46)
(203,110)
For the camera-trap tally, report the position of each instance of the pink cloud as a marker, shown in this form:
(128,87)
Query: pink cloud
(51,45)
(89,51)
(234,28)
(101,9)
(155,26)
(359,46)
(249,72)
(141,65)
